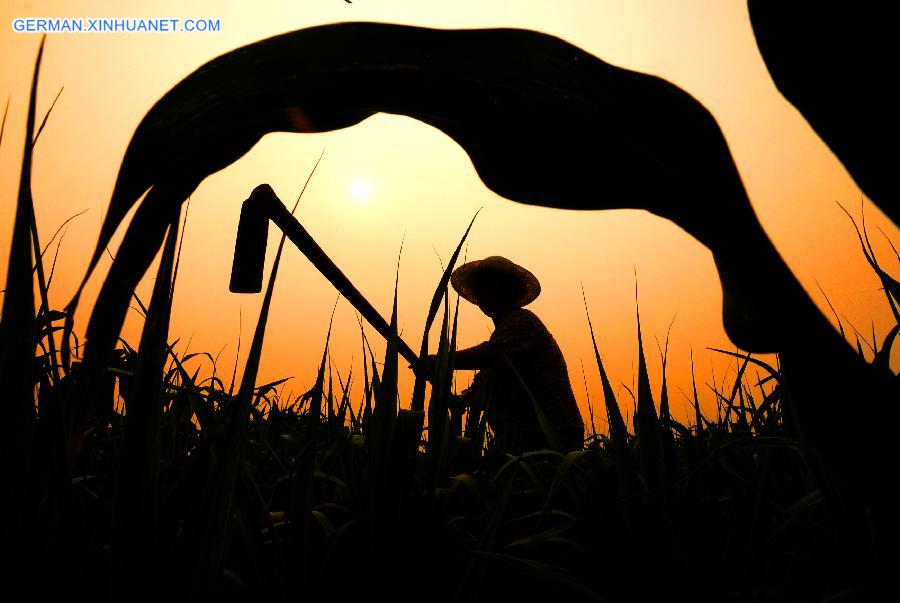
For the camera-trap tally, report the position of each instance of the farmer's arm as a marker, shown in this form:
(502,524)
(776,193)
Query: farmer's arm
(514,334)
(477,357)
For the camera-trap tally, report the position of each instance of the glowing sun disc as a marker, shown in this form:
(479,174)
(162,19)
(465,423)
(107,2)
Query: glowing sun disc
(360,190)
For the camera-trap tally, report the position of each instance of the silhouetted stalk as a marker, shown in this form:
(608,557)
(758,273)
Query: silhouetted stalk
(17,345)
(135,522)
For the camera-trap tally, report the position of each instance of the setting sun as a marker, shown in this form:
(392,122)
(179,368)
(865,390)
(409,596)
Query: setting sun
(360,190)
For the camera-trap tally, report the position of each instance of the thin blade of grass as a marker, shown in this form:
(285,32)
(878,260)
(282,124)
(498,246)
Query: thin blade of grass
(775,373)
(381,433)
(647,422)
(438,406)
(216,528)
(418,397)
(587,395)
(891,286)
(882,358)
(17,343)
(3,122)
(617,430)
(47,116)
(314,395)
(698,416)
(135,507)
(665,417)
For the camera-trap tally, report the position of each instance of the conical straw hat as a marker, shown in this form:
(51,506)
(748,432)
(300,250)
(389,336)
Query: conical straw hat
(464,281)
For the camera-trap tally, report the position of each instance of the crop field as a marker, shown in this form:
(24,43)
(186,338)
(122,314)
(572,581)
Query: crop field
(144,481)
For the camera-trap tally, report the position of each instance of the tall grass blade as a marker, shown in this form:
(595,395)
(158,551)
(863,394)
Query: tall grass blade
(315,395)
(665,417)
(387,398)
(380,436)
(3,122)
(618,432)
(646,421)
(237,353)
(418,397)
(664,414)
(43,286)
(345,407)
(773,372)
(590,405)
(438,406)
(366,414)
(47,116)
(135,504)
(891,286)
(833,311)
(17,346)
(698,416)
(882,357)
(330,396)
(216,528)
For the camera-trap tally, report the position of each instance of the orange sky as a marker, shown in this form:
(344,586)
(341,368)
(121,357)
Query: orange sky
(410,180)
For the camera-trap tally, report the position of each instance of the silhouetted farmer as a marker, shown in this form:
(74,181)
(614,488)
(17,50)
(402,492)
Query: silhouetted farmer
(500,288)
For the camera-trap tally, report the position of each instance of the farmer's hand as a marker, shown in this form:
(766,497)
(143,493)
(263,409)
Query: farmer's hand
(426,366)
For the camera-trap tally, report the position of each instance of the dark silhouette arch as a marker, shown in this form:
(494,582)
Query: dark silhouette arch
(544,122)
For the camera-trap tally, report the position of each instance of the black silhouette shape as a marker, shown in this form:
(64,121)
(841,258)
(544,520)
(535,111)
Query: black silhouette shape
(522,371)
(835,62)
(544,123)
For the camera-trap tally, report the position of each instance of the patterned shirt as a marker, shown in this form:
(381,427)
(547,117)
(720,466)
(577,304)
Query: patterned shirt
(525,341)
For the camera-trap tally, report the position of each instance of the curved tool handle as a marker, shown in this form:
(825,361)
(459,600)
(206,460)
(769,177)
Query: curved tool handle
(250,254)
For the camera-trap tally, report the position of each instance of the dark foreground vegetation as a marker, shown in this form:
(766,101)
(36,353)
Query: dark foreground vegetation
(211,491)
(208,488)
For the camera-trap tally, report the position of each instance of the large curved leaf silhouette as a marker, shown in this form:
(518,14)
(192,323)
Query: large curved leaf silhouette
(836,62)
(544,123)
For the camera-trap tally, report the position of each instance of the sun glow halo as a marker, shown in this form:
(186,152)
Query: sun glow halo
(360,190)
